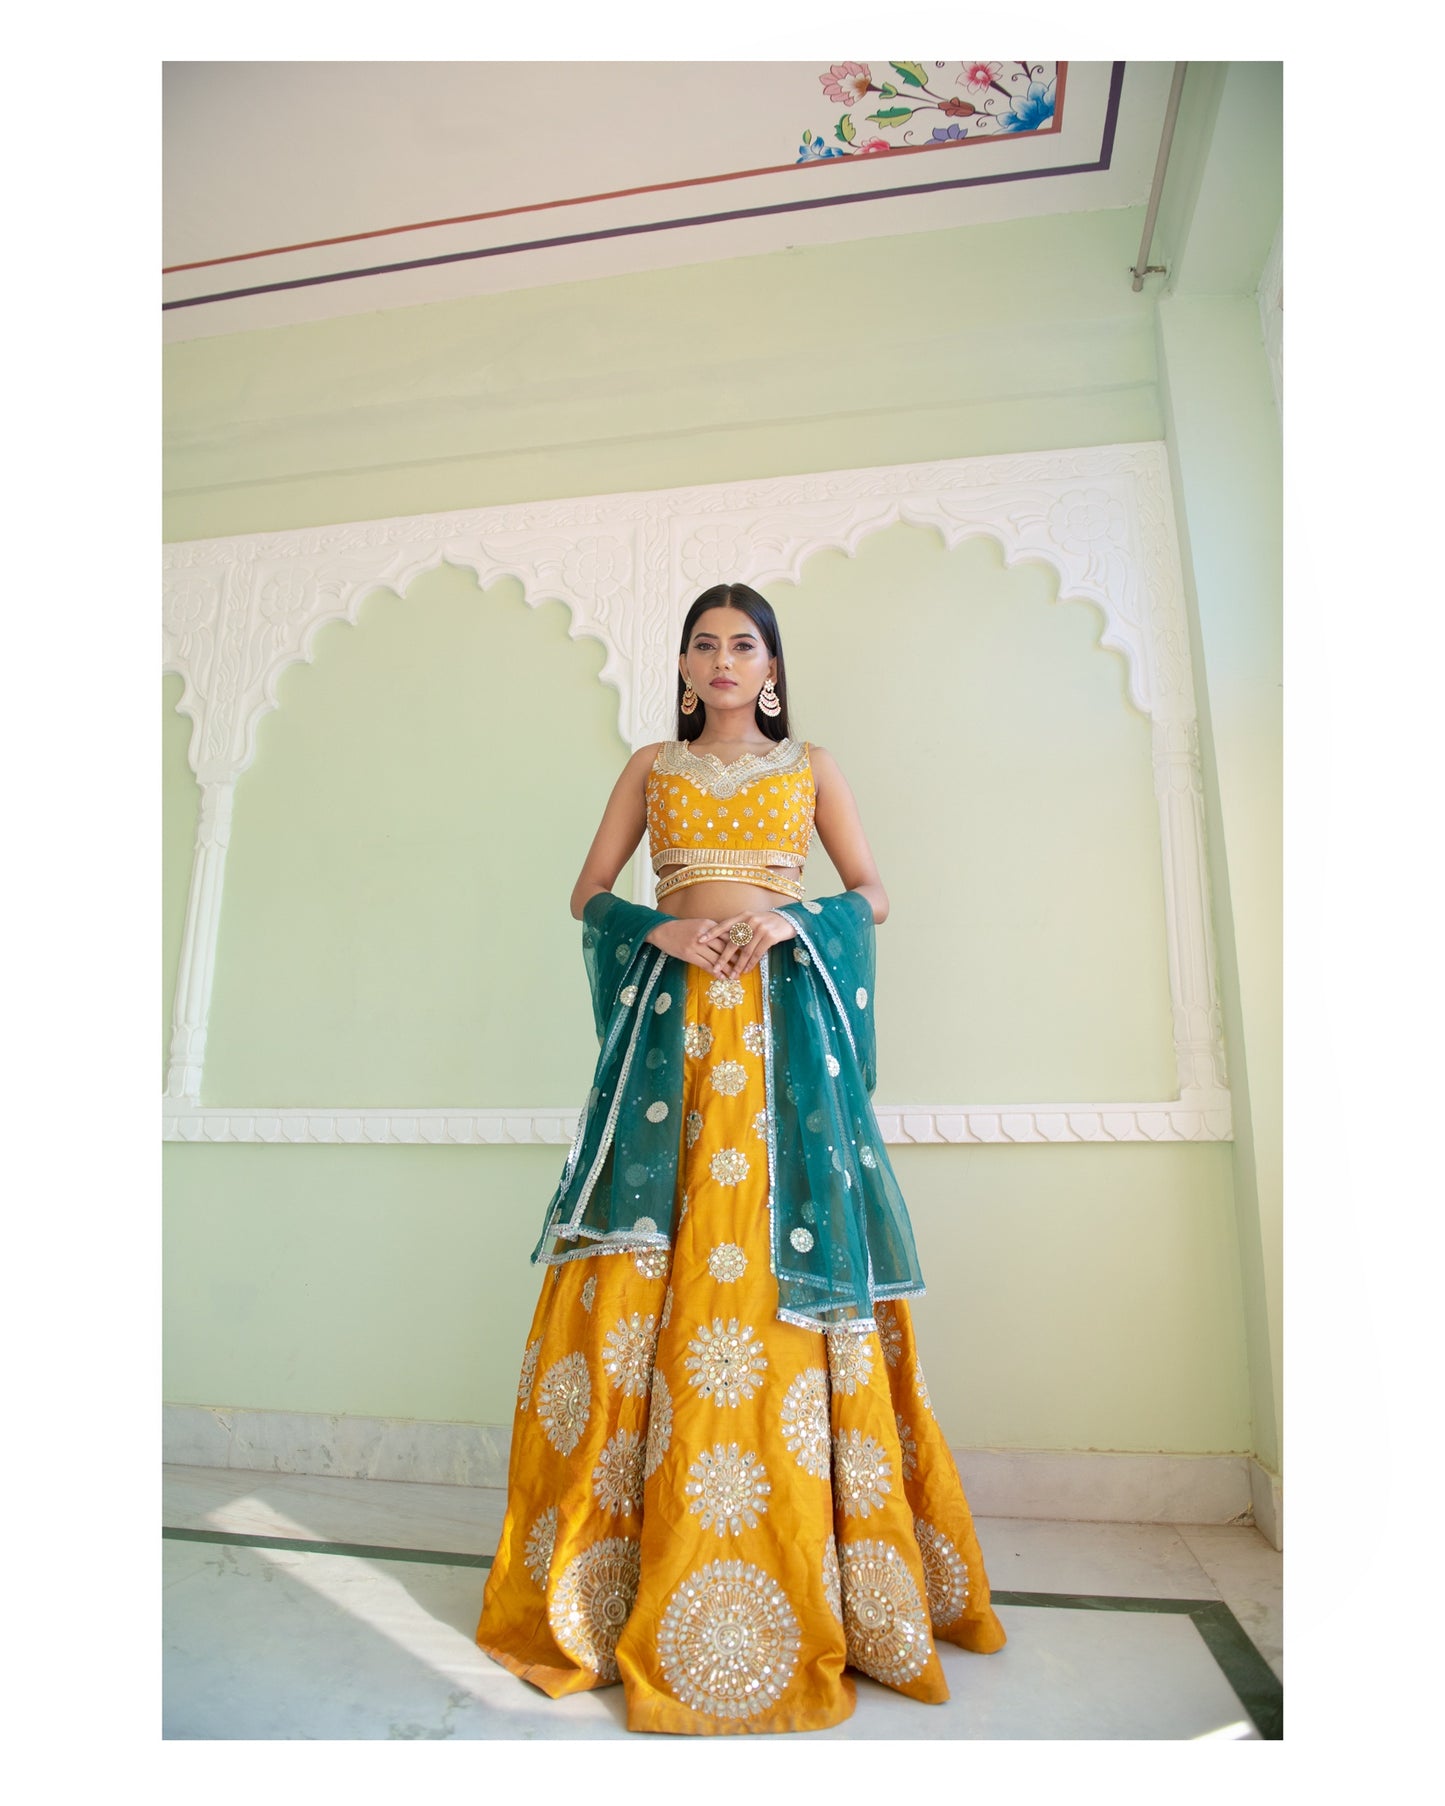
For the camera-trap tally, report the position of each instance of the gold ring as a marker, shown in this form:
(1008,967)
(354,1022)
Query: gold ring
(740,933)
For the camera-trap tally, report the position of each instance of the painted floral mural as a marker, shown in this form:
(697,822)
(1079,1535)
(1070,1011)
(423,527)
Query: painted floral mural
(922,105)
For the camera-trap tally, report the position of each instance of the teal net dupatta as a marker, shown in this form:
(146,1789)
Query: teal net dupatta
(840,1233)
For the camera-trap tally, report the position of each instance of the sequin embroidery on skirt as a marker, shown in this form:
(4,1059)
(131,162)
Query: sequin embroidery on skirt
(721,1511)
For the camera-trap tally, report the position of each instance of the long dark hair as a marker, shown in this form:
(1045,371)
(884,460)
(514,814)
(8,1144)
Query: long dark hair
(760,612)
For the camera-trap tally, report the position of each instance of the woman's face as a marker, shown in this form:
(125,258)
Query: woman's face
(727,660)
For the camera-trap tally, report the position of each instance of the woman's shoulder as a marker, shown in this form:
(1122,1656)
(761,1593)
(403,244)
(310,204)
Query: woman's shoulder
(639,766)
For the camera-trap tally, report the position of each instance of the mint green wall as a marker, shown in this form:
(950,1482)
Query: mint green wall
(1223,431)
(939,344)
(1082,1297)
(1225,452)
(1005,783)
(395,927)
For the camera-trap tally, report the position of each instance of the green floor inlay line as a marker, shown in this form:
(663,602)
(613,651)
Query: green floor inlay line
(374,1551)
(1251,1677)
(1248,1674)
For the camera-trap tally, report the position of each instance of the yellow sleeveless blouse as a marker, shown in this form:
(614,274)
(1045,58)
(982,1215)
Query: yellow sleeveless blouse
(742,821)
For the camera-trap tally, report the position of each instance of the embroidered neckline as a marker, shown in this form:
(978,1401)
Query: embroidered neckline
(676,758)
(775,752)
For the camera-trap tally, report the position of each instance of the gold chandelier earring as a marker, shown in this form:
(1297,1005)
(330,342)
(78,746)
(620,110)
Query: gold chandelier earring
(768,700)
(689,700)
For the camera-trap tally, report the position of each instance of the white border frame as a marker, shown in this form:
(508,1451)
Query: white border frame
(238,611)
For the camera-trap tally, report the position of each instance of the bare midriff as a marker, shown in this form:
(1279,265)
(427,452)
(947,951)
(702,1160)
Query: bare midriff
(723,898)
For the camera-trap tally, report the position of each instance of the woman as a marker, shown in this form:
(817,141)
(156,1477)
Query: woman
(726,1478)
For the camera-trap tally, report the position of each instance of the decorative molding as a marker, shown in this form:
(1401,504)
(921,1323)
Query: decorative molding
(375,1127)
(901,1124)
(1011,1123)
(1082,1484)
(239,611)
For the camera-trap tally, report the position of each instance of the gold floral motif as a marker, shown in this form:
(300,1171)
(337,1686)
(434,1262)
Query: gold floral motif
(617,1477)
(753,1037)
(694,1127)
(659,1425)
(860,1473)
(727,1262)
(800,954)
(663,1004)
(666,1316)
(628,995)
(652,1263)
(832,1579)
(541,1540)
(883,1617)
(589,1291)
(725,993)
(850,1360)
(805,1420)
(815,909)
(945,1577)
(890,1333)
(696,1040)
(728,1489)
(627,1354)
(802,1240)
(725,1361)
(564,1401)
(592,1601)
(657,1112)
(760,1124)
(729,1166)
(908,1447)
(728,1641)
(529,1369)
(920,1388)
(728,1078)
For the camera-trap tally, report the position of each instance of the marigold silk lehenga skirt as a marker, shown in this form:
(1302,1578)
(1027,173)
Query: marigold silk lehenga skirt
(718,1509)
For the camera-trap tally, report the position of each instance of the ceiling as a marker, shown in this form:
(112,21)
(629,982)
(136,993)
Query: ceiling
(304,191)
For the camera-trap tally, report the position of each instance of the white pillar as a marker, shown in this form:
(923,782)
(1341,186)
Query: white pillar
(1198,1030)
(198,948)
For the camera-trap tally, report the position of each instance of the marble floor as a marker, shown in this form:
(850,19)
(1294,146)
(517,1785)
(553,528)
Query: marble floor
(304,1607)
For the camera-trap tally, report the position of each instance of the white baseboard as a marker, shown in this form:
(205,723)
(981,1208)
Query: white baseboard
(1267,1500)
(352,1448)
(1095,1485)
(1018,1483)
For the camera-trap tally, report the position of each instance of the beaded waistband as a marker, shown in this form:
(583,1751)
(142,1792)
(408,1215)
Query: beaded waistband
(764,877)
(724,856)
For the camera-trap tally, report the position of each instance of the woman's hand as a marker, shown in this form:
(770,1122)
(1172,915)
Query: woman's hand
(768,929)
(688,939)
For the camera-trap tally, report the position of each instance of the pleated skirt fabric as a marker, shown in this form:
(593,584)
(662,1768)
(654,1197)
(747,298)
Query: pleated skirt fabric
(721,1511)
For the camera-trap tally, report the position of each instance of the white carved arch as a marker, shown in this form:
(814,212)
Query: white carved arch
(238,611)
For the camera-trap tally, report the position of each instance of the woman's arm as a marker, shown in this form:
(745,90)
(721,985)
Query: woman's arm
(624,821)
(836,818)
